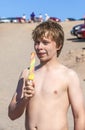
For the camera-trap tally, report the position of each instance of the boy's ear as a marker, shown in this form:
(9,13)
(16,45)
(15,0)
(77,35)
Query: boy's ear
(58,47)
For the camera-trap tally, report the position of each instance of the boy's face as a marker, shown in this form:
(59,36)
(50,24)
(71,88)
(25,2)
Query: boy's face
(45,49)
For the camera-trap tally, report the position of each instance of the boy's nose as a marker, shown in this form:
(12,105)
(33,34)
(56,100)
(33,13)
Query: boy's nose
(40,45)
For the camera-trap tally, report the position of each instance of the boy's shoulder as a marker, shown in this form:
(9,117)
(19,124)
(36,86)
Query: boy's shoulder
(69,71)
(72,74)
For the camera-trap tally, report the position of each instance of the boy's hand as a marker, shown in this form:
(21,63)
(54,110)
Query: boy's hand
(29,89)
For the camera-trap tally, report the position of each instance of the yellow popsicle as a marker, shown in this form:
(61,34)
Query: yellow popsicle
(32,66)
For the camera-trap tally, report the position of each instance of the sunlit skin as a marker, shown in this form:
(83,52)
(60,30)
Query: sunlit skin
(46,50)
(47,98)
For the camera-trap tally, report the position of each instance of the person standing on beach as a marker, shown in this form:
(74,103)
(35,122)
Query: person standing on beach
(40,18)
(46,17)
(32,17)
(24,18)
(55,88)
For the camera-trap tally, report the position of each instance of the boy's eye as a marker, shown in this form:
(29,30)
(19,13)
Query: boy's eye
(37,42)
(45,42)
(41,42)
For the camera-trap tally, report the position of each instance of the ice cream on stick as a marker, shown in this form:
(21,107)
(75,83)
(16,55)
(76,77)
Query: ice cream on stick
(32,66)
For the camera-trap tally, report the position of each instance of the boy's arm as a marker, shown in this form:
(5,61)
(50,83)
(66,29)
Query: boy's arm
(18,102)
(77,101)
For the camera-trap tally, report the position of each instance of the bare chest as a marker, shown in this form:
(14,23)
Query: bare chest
(50,85)
(50,97)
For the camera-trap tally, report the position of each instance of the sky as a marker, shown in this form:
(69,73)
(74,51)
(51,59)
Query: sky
(54,8)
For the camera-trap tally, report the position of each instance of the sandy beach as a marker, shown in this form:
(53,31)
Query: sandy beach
(15,47)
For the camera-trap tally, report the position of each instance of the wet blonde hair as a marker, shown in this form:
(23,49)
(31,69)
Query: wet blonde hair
(52,30)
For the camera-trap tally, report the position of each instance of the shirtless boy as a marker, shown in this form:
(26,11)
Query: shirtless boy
(47,98)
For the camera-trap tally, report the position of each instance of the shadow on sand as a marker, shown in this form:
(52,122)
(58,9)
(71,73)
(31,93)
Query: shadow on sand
(76,40)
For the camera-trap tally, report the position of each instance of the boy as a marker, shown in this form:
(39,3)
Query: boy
(55,87)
